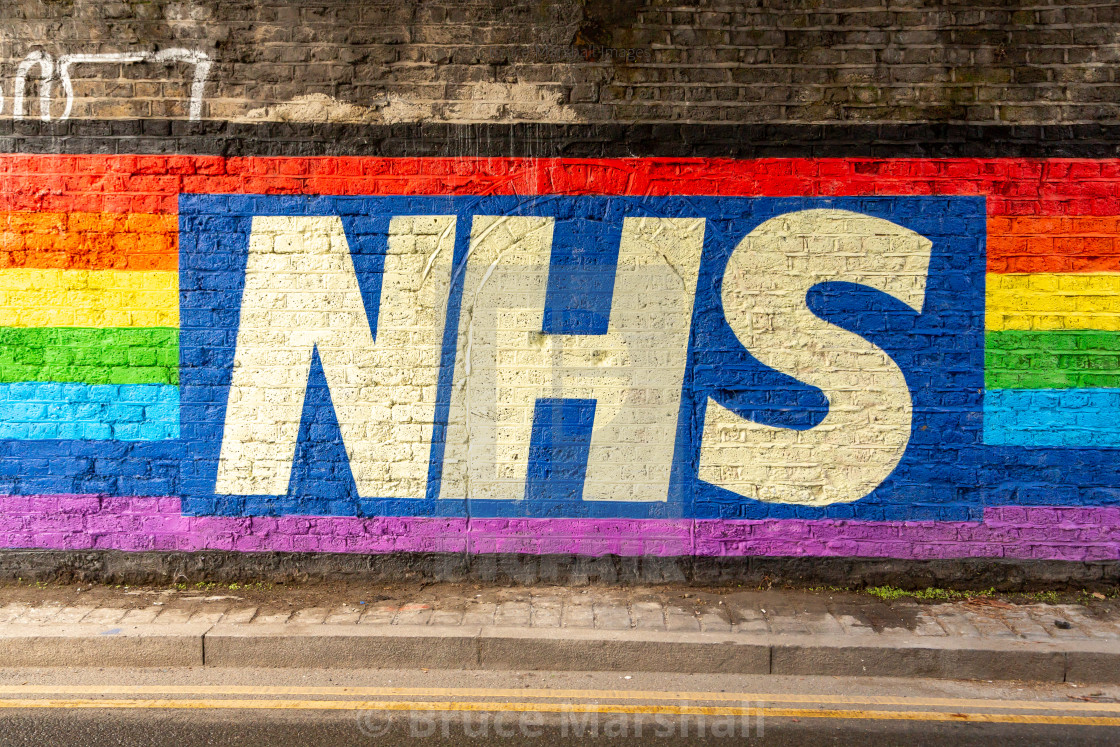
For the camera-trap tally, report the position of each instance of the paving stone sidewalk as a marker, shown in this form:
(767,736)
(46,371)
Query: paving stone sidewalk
(606,610)
(669,629)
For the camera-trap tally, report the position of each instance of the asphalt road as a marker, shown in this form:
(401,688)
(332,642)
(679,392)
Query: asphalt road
(355,707)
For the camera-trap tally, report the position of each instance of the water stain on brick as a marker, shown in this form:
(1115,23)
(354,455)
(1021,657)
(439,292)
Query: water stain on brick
(601,20)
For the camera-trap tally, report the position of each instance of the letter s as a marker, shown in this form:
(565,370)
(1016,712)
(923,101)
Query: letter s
(867,428)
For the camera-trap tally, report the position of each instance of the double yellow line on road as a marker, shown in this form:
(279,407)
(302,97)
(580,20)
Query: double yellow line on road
(962,710)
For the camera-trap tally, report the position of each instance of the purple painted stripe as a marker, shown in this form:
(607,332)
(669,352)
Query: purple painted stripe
(81,522)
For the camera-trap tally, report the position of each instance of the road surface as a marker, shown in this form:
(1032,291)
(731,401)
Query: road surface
(212,706)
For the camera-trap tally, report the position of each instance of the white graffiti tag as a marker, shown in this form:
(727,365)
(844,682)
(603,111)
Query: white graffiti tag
(48,68)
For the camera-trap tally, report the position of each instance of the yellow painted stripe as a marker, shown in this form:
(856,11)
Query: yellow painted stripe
(473,692)
(88,298)
(522,707)
(1049,301)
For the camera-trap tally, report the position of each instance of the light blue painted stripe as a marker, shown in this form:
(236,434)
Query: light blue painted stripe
(114,412)
(1074,418)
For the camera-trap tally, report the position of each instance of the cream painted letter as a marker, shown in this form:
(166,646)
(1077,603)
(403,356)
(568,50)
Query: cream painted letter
(867,428)
(301,294)
(634,372)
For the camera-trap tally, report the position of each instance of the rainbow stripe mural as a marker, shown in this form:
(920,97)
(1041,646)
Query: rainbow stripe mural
(89,316)
(117,311)
(1052,359)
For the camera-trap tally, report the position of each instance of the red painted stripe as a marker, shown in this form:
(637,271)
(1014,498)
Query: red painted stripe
(150,184)
(94,184)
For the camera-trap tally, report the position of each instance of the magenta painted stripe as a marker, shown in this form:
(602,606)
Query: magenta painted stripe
(81,522)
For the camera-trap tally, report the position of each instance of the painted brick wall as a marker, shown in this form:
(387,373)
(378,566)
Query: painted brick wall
(846,357)
(592,278)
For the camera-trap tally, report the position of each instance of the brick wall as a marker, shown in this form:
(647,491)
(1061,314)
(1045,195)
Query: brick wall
(566,279)
(592,61)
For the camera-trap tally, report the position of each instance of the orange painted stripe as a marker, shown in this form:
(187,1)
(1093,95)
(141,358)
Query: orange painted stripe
(89,241)
(1053,244)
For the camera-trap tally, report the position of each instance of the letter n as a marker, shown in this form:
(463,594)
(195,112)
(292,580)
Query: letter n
(302,296)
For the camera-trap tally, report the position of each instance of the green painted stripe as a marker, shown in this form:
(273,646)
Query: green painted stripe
(117,355)
(1066,359)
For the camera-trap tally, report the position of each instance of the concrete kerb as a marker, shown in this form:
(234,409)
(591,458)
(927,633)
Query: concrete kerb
(338,646)
(948,659)
(622,650)
(504,648)
(170,645)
